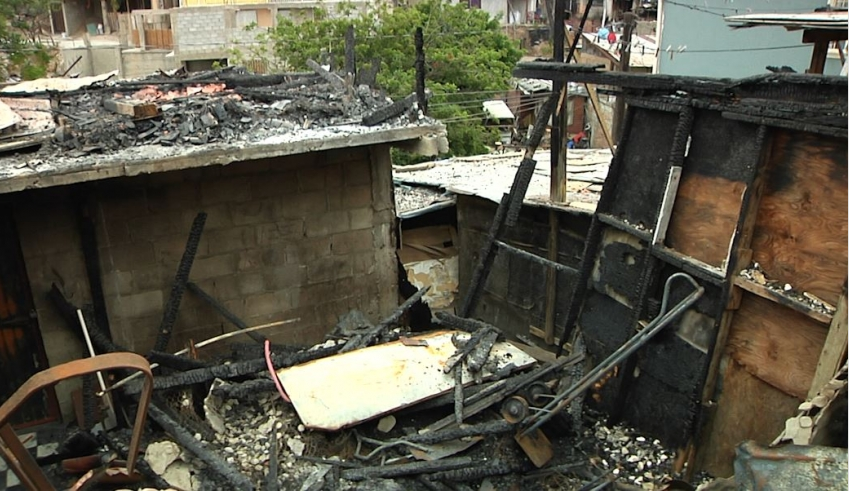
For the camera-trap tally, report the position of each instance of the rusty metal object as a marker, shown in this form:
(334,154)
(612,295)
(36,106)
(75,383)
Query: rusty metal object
(790,467)
(514,409)
(19,459)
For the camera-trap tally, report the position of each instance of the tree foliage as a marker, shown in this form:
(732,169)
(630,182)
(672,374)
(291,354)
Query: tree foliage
(468,57)
(21,23)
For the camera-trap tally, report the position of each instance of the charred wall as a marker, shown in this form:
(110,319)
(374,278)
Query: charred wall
(515,293)
(309,236)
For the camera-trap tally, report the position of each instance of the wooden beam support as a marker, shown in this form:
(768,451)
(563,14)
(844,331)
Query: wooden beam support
(818,57)
(834,350)
(551,277)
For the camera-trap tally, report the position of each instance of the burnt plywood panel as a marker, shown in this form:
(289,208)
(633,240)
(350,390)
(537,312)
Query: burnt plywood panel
(720,162)
(667,414)
(742,415)
(801,232)
(618,266)
(776,344)
(645,165)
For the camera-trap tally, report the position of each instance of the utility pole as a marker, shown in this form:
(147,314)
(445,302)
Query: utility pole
(624,66)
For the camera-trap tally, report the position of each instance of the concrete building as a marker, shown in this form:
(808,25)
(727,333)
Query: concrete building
(300,225)
(695,40)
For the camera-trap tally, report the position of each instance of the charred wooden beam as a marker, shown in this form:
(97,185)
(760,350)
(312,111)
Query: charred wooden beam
(495,467)
(230,371)
(88,240)
(175,362)
(390,111)
(411,469)
(334,80)
(362,340)
(534,258)
(480,354)
(421,97)
(464,324)
(221,309)
(271,483)
(457,358)
(187,440)
(483,429)
(172,307)
(350,52)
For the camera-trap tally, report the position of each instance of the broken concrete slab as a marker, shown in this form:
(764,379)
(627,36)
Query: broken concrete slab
(381,379)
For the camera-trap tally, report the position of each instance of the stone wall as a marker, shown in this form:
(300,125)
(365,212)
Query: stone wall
(308,237)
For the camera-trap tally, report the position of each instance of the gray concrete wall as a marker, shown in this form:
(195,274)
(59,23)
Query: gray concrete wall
(736,53)
(307,237)
(202,32)
(130,63)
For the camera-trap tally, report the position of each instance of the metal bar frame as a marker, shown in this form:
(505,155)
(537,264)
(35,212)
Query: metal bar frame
(18,457)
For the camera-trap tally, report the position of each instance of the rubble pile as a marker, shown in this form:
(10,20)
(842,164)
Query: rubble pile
(217,107)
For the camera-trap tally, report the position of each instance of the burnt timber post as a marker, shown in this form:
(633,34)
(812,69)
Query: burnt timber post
(624,66)
(421,97)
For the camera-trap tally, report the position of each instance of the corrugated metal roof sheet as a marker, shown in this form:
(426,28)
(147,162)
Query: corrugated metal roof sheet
(811,20)
(497,109)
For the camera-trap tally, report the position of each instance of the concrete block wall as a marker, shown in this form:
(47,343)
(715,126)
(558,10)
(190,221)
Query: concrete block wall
(307,237)
(50,242)
(201,30)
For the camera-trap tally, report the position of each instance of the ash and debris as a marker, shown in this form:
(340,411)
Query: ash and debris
(226,109)
(756,274)
(411,198)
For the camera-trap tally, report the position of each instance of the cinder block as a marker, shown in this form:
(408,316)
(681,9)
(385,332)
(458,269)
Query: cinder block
(331,222)
(169,250)
(225,288)
(252,212)
(250,260)
(353,241)
(214,266)
(152,279)
(230,239)
(270,185)
(358,173)
(334,176)
(300,205)
(328,269)
(308,249)
(136,305)
(155,225)
(127,257)
(225,190)
(117,283)
(312,179)
(262,304)
(284,277)
(123,202)
(357,196)
(362,218)
(363,263)
(179,196)
(281,230)
(250,283)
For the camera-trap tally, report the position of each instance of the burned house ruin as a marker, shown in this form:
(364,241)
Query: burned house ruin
(233,240)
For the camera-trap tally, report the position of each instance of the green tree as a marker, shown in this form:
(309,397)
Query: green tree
(469,59)
(21,24)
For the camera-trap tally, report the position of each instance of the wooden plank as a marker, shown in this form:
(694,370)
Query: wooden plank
(764,292)
(776,344)
(132,108)
(802,226)
(833,351)
(672,183)
(551,277)
(750,409)
(342,390)
(705,217)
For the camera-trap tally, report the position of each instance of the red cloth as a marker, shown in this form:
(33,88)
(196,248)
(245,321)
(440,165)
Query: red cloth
(611,38)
